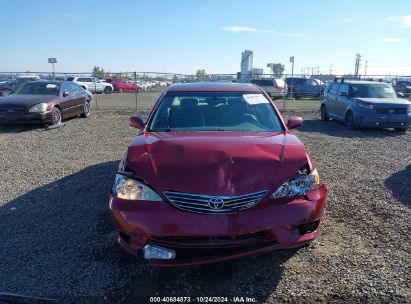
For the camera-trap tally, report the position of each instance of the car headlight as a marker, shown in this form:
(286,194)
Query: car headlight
(298,186)
(130,189)
(41,107)
(365,105)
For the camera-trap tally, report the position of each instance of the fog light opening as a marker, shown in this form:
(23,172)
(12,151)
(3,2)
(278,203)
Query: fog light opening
(125,237)
(377,123)
(151,252)
(308,227)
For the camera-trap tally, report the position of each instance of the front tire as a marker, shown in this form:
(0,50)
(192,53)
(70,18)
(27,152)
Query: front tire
(324,114)
(56,116)
(86,110)
(350,120)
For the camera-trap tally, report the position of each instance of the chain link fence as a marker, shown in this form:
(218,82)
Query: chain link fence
(138,91)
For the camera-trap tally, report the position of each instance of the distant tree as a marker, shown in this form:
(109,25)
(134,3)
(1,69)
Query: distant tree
(200,74)
(98,72)
(278,69)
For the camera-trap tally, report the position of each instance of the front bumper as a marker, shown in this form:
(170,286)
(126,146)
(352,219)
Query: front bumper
(384,121)
(207,238)
(10,117)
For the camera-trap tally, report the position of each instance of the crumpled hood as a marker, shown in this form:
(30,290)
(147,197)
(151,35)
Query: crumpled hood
(216,163)
(389,101)
(26,100)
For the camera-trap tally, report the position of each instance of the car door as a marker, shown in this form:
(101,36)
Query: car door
(67,100)
(79,98)
(342,100)
(331,102)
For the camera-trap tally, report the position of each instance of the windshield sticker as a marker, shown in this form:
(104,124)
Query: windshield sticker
(51,86)
(253,99)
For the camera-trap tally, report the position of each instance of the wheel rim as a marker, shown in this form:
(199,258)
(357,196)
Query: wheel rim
(56,117)
(86,108)
(121,90)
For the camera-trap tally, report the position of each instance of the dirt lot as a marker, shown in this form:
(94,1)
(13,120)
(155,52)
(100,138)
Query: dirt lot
(58,240)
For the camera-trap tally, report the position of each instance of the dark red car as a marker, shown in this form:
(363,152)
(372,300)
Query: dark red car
(45,101)
(125,86)
(215,174)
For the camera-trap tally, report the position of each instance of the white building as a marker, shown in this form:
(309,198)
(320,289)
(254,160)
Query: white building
(246,64)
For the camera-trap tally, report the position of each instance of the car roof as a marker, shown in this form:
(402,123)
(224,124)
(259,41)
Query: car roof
(50,81)
(214,87)
(356,81)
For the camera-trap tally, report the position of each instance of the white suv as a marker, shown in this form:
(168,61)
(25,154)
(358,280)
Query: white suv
(92,84)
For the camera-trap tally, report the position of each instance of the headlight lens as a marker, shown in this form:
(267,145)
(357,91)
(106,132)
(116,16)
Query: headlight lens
(41,107)
(298,186)
(365,105)
(130,189)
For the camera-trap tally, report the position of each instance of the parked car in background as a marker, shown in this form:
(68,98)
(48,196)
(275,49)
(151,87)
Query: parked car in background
(304,87)
(10,86)
(248,186)
(45,101)
(403,87)
(92,84)
(361,103)
(275,88)
(125,86)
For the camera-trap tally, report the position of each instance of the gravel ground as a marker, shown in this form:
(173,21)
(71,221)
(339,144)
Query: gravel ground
(58,240)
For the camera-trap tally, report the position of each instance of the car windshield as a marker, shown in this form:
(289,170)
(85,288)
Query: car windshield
(39,88)
(215,111)
(372,91)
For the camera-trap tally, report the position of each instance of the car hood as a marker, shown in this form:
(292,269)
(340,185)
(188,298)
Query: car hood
(26,100)
(216,163)
(391,101)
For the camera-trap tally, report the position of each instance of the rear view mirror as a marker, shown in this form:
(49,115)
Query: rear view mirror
(343,94)
(136,122)
(294,122)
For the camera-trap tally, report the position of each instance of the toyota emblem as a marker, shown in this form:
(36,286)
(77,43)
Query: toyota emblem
(216,203)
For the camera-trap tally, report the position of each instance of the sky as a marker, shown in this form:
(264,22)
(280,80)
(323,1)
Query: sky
(181,36)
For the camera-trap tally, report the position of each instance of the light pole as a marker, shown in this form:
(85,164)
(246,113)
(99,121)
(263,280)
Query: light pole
(53,61)
(292,74)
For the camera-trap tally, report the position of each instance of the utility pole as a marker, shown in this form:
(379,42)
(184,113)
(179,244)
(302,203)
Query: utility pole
(331,68)
(292,74)
(365,70)
(357,65)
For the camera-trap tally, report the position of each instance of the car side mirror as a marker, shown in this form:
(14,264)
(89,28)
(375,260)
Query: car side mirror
(294,122)
(65,94)
(400,94)
(136,122)
(343,94)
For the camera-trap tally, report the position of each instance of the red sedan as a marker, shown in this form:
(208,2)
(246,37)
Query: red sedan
(125,86)
(215,174)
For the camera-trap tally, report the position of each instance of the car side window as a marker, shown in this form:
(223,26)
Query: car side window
(73,88)
(343,90)
(334,88)
(65,87)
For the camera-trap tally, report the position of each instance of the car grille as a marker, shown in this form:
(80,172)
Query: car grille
(391,111)
(213,204)
(12,109)
(214,241)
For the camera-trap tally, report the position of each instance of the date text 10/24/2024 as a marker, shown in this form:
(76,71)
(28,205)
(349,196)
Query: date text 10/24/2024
(205,299)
